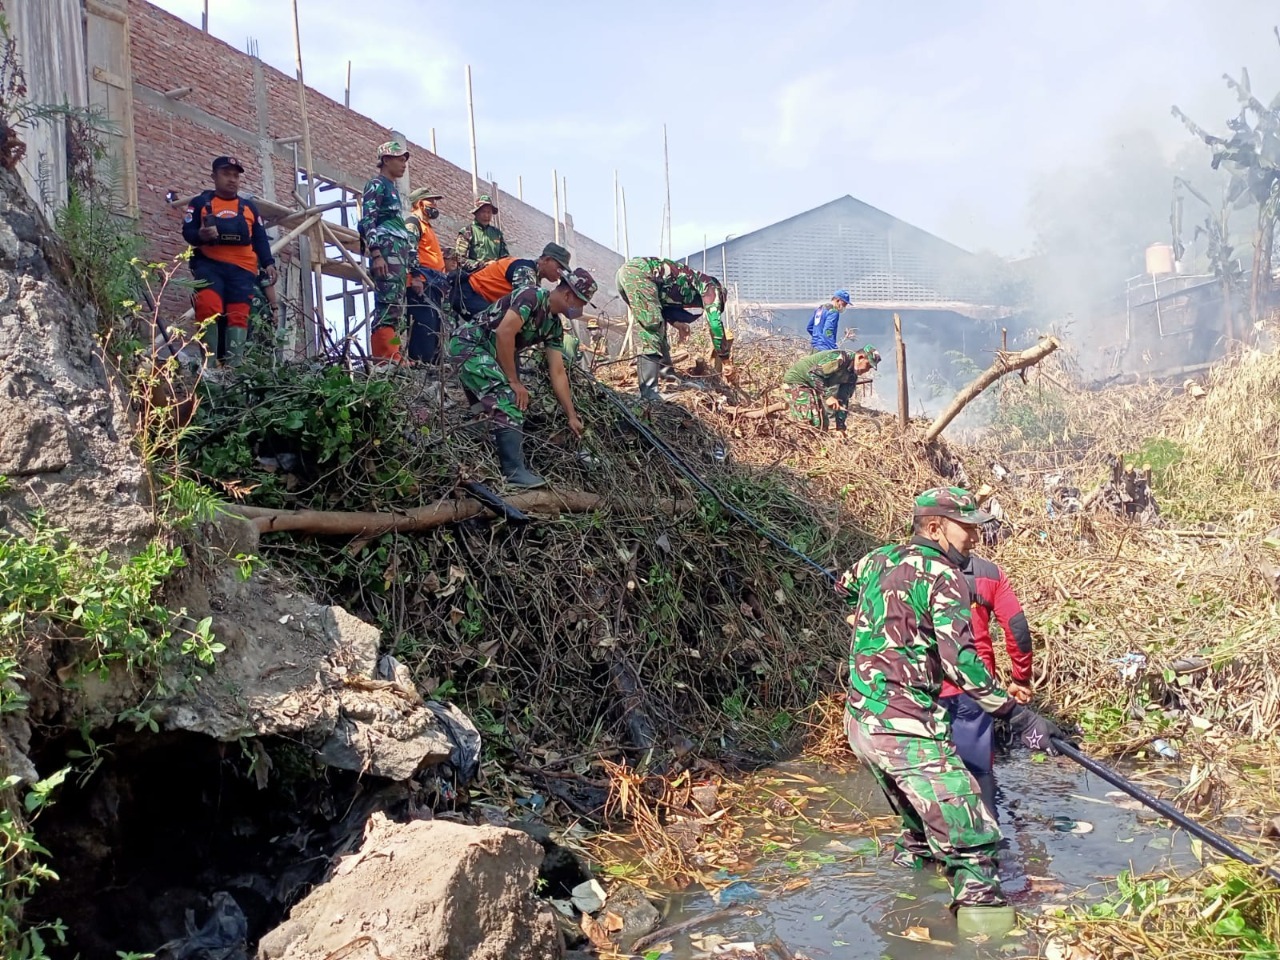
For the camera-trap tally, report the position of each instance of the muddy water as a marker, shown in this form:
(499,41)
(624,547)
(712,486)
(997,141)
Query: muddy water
(859,906)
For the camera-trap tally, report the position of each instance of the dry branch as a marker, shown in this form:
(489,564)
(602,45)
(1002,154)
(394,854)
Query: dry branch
(1005,363)
(365,525)
(775,407)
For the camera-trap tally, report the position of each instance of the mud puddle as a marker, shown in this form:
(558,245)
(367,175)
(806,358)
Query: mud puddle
(823,891)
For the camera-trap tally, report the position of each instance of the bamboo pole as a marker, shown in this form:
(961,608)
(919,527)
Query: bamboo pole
(1005,363)
(281,242)
(433,142)
(311,318)
(471,120)
(520,187)
(666,172)
(900,353)
(347,255)
(626,234)
(555,188)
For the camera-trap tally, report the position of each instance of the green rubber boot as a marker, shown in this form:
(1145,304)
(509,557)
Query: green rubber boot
(990,922)
(236,339)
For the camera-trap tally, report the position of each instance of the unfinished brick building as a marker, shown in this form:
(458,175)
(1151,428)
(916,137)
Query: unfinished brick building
(178,96)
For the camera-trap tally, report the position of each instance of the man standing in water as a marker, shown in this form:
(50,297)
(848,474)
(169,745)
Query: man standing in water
(911,630)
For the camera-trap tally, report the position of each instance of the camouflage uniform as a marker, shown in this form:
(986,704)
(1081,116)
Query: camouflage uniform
(475,349)
(647,284)
(383,228)
(477,244)
(812,379)
(911,629)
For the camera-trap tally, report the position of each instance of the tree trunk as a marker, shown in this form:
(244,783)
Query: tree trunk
(1005,363)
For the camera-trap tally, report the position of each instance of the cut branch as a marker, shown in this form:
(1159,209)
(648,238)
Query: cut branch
(1005,363)
(366,525)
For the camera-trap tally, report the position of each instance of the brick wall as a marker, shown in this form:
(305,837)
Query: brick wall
(177,139)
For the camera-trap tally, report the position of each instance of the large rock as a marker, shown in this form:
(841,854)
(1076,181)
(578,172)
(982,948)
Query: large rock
(65,433)
(430,890)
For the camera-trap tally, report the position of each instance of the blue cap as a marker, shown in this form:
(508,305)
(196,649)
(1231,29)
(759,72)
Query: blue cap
(841,295)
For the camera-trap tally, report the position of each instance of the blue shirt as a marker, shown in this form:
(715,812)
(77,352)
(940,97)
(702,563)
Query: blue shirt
(822,327)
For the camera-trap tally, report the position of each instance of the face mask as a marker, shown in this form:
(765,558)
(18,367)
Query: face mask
(956,557)
(432,213)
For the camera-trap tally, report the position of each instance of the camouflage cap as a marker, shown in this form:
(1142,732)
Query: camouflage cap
(954,503)
(392,148)
(484,200)
(424,193)
(557,253)
(872,354)
(581,283)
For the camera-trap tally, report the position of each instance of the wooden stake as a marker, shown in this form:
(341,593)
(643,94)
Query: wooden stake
(471,119)
(900,350)
(1004,339)
(1005,363)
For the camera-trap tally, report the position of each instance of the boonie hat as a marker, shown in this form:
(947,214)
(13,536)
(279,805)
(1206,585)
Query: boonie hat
(557,253)
(424,193)
(954,503)
(221,162)
(484,200)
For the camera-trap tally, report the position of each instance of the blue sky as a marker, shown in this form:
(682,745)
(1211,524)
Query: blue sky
(942,113)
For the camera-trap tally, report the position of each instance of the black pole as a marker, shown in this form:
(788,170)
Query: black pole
(1166,810)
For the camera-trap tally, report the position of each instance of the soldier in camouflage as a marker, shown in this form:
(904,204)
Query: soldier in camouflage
(911,630)
(826,379)
(481,240)
(486,349)
(392,249)
(650,287)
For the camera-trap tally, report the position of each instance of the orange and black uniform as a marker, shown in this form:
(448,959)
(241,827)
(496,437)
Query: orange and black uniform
(226,270)
(495,280)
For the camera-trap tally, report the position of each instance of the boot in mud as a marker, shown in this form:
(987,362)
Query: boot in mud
(988,921)
(648,368)
(510,444)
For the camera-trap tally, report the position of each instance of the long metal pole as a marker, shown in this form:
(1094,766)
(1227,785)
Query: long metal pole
(555,187)
(520,187)
(433,142)
(311,320)
(346,94)
(626,234)
(471,119)
(1166,810)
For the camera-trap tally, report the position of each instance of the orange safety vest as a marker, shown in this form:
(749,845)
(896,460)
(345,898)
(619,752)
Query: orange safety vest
(491,280)
(429,254)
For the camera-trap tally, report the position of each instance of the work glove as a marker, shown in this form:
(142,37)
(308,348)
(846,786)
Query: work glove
(1034,731)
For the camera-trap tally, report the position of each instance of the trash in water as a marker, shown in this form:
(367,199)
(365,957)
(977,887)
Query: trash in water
(1067,825)
(737,892)
(1163,748)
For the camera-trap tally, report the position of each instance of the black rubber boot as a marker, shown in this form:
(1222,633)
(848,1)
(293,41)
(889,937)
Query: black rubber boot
(648,367)
(510,444)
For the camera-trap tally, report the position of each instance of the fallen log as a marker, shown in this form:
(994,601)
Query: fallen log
(1005,363)
(367,524)
(776,407)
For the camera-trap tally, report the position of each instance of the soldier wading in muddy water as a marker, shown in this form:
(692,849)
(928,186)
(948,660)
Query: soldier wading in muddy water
(911,631)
